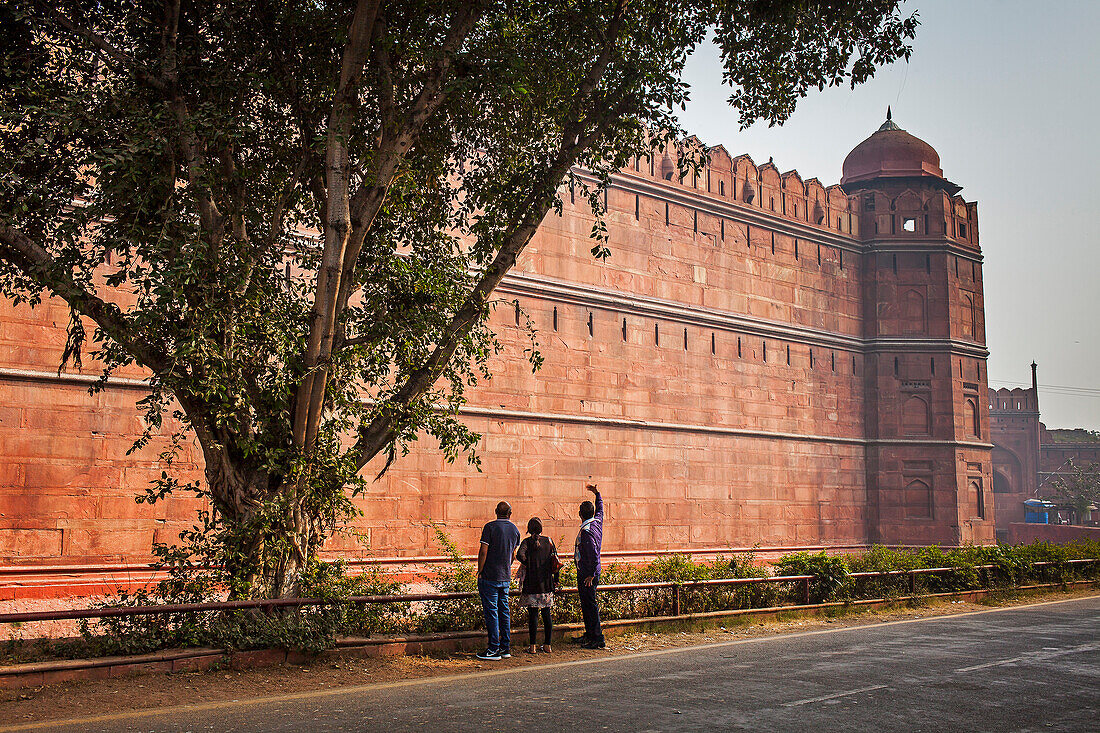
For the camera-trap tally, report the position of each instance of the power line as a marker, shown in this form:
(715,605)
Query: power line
(1052,387)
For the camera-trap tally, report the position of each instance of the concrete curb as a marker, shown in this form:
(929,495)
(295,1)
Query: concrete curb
(191,660)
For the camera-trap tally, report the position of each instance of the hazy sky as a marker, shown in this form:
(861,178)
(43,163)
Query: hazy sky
(1006,92)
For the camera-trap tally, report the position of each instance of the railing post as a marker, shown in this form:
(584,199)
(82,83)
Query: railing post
(912,583)
(805,583)
(676,599)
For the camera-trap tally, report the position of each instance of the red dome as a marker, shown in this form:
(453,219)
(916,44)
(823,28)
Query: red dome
(891,153)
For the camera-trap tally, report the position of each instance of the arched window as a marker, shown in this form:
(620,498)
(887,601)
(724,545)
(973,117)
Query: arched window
(914,416)
(918,500)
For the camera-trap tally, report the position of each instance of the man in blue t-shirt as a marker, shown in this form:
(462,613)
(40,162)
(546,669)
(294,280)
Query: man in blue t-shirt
(499,539)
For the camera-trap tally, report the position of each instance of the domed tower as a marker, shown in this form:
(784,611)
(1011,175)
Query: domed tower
(929,472)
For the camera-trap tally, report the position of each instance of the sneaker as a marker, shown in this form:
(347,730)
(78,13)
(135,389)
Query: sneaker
(594,645)
(505,654)
(578,640)
(490,655)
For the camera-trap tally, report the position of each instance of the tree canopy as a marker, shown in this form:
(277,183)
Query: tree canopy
(1077,488)
(293,215)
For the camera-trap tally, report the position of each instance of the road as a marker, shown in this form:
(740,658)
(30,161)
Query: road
(1020,669)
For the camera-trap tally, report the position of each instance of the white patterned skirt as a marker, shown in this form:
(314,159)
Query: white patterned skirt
(536,600)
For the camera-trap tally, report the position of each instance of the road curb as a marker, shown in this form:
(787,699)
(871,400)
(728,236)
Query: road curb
(38,674)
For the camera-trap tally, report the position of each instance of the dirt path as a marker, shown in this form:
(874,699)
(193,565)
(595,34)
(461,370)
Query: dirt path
(67,700)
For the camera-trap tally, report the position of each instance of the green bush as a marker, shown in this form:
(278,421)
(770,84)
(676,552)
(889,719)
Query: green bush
(830,575)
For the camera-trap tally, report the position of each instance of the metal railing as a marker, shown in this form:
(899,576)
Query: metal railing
(675,587)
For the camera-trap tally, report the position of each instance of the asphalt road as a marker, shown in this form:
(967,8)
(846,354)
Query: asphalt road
(1034,668)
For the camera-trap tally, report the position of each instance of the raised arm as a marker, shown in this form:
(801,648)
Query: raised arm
(598,502)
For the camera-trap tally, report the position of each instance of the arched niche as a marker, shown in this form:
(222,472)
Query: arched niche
(915,416)
(913,318)
(973,417)
(918,500)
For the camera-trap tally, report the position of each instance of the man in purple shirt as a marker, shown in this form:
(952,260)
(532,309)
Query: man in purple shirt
(587,556)
(494,573)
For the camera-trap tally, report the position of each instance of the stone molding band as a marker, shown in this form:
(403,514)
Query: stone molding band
(646,307)
(610,422)
(629,424)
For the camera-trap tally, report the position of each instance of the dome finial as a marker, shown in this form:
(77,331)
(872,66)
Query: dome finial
(889,124)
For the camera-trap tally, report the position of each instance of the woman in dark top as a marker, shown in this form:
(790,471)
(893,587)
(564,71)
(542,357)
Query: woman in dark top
(538,559)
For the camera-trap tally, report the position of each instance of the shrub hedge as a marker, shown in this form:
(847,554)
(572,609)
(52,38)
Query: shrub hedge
(316,628)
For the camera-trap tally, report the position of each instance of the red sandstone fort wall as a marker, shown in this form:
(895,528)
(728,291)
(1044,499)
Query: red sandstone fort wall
(715,377)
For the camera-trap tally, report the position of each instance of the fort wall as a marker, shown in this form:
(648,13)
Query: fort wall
(763,359)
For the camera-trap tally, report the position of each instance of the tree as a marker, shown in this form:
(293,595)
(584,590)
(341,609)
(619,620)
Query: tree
(293,215)
(1077,490)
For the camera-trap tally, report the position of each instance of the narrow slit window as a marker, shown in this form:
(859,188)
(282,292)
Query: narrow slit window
(932,365)
(833,360)
(666,213)
(624,329)
(738,347)
(572,193)
(555,319)
(796,249)
(713,344)
(656,334)
(788,354)
(591,329)
(685,339)
(894,261)
(764,350)
(517,312)
(928,263)
(721,188)
(695,222)
(722,227)
(811,358)
(637,207)
(897,365)
(773,242)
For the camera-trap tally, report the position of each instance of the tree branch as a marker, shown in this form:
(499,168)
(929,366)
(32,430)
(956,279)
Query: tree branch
(34,261)
(117,57)
(381,430)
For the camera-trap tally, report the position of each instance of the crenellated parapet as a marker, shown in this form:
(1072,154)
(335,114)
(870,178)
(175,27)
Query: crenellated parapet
(741,181)
(1013,400)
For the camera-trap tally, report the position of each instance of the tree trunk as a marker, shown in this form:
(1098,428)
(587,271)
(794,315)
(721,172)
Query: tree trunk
(267,537)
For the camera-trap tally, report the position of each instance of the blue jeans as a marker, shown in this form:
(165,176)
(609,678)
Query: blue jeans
(498,616)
